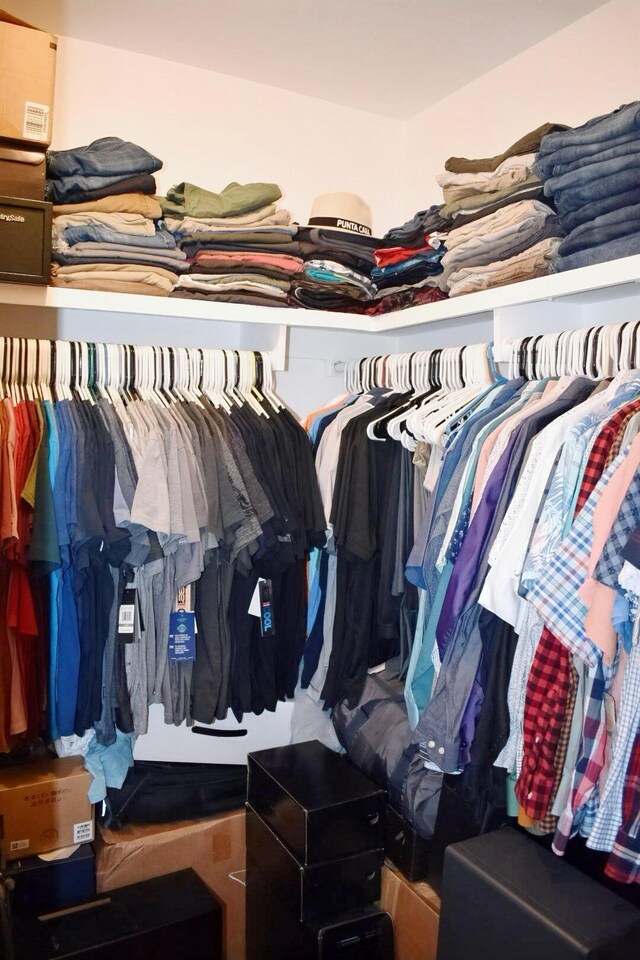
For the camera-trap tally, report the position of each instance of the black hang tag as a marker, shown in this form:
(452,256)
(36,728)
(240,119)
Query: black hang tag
(127,615)
(267,621)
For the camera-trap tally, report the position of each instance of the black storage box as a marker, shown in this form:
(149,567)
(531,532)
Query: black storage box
(503,893)
(25,240)
(403,845)
(174,916)
(275,933)
(316,801)
(315,890)
(22,172)
(52,884)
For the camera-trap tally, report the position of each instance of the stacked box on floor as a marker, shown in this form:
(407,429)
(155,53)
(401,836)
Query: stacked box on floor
(314,857)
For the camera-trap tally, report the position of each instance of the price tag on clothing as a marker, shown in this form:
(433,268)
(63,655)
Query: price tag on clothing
(262,606)
(182,635)
(184,598)
(254,605)
(610,714)
(127,615)
(267,621)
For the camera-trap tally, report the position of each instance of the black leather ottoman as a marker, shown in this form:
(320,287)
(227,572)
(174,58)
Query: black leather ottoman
(503,895)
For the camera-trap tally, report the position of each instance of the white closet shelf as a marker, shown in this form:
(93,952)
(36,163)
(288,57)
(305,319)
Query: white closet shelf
(587,285)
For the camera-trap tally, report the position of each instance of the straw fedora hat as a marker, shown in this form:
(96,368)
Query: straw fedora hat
(345,212)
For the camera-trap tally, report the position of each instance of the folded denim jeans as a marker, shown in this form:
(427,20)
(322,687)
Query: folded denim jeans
(613,250)
(610,226)
(593,171)
(544,165)
(597,208)
(597,130)
(107,157)
(81,189)
(98,233)
(617,183)
(629,148)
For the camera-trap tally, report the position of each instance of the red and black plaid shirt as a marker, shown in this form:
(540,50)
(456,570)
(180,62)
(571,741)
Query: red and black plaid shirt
(623,864)
(549,683)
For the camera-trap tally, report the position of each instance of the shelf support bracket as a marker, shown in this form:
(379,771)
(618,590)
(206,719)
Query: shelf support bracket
(280,348)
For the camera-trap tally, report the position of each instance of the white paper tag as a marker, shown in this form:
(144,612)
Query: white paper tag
(126,618)
(18,845)
(254,606)
(36,120)
(82,832)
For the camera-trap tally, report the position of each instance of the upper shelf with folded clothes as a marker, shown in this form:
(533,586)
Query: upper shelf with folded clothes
(596,293)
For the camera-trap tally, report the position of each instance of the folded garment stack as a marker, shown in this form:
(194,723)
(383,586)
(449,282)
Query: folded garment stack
(593,175)
(240,246)
(514,243)
(501,231)
(106,233)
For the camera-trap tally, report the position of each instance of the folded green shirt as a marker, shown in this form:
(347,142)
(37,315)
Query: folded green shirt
(188,200)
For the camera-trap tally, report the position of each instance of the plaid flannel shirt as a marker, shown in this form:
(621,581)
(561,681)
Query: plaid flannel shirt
(555,597)
(623,864)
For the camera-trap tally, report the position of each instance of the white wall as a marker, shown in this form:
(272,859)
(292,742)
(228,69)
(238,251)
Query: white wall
(210,128)
(589,68)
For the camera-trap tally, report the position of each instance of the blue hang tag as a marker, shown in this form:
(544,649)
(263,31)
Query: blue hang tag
(182,635)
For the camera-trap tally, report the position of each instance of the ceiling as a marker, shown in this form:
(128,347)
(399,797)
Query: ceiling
(390,57)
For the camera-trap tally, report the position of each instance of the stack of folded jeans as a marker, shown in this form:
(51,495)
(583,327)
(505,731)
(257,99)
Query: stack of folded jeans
(514,243)
(105,229)
(593,175)
(238,243)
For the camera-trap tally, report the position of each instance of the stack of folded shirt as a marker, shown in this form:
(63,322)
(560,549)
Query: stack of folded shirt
(105,231)
(413,232)
(475,188)
(593,175)
(501,232)
(240,246)
(398,268)
(336,273)
(514,243)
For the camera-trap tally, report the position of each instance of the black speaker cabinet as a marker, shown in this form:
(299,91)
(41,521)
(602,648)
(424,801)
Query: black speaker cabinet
(504,895)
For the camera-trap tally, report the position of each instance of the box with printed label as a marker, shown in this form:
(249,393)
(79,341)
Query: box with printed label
(44,806)
(28,71)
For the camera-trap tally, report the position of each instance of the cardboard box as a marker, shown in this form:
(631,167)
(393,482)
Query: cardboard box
(415,910)
(214,848)
(44,806)
(22,172)
(28,70)
(25,240)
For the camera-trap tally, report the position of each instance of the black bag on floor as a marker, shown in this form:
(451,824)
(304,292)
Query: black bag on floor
(162,792)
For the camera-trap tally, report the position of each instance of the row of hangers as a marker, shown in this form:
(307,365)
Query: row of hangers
(63,370)
(442,385)
(595,352)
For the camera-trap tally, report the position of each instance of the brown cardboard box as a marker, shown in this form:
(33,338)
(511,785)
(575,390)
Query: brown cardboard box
(28,70)
(44,806)
(22,172)
(415,910)
(214,848)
